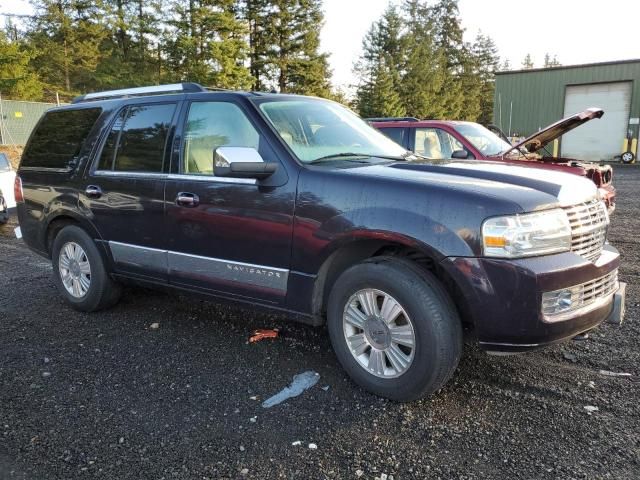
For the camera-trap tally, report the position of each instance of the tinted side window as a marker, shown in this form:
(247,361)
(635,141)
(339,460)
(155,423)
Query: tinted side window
(58,138)
(211,125)
(137,140)
(395,134)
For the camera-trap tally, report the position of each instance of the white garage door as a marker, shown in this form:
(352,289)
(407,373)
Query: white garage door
(599,139)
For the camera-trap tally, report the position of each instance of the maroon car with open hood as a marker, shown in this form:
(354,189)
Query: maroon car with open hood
(443,139)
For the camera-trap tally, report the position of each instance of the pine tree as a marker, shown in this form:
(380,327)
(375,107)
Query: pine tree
(487,60)
(290,44)
(379,97)
(258,16)
(17,80)
(527,63)
(551,62)
(381,63)
(129,55)
(206,43)
(67,36)
(506,65)
(424,71)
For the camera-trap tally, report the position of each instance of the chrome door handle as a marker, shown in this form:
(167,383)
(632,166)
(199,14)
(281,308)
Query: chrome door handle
(93,191)
(186,199)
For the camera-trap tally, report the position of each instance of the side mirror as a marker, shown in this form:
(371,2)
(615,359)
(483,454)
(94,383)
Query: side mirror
(241,162)
(460,154)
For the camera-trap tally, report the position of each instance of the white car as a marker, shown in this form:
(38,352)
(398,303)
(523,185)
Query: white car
(7,177)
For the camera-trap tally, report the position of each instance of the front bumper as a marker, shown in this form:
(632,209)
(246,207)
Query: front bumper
(503,298)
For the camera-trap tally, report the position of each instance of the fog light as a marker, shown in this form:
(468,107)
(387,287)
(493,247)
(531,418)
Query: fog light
(559,301)
(564,300)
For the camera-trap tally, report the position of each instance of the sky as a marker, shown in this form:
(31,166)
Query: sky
(577,31)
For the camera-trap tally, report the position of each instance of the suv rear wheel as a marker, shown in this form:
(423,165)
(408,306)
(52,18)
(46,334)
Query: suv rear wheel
(394,328)
(79,271)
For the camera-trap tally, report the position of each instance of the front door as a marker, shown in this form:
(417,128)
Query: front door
(124,189)
(227,236)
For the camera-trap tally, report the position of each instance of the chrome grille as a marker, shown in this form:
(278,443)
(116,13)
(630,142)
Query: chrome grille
(589,222)
(581,296)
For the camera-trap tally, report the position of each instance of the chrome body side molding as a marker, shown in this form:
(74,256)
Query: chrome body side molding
(199,268)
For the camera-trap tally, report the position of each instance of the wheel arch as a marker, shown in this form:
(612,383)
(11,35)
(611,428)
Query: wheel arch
(63,218)
(345,256)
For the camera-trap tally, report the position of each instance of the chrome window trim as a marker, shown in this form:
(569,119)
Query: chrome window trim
(47,169)
(113,173)
(211,178)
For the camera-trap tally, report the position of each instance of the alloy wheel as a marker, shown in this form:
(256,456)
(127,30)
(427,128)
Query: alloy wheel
(75,269)
(379,333)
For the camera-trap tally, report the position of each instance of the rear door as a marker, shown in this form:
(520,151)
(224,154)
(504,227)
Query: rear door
(124,189)
(227,235)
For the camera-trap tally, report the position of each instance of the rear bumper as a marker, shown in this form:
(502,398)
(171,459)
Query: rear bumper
(503,298)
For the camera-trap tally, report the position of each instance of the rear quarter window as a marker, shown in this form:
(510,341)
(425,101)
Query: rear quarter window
(59,137)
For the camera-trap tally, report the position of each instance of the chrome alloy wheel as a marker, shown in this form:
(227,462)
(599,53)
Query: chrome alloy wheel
(75,270)
(379,333)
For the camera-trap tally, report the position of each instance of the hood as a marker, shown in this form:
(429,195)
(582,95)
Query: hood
(532,188)
(548,134)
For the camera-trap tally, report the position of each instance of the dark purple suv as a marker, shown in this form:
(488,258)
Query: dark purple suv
(295,204)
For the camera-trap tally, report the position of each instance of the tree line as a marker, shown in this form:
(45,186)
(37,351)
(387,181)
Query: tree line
(74,46)
(415,61)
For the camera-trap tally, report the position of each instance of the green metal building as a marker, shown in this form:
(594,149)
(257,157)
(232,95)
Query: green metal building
(527,100)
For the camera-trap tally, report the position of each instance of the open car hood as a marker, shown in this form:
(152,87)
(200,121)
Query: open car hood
(548,134)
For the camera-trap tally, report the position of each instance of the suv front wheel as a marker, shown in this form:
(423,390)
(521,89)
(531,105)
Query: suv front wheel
(394,328)
(79,271)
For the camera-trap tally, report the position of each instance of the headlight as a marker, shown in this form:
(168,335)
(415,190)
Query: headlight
(527,235)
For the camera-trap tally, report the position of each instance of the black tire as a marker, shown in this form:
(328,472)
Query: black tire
(103,291)
(436,325)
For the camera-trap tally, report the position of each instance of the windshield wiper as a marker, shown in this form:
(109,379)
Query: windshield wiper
(337,156)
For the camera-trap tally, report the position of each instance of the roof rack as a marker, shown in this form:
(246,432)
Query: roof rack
(151,90)
(392,119)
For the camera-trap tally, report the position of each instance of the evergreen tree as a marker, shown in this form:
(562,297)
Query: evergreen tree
(506,65)
(382,61)
(527,63)
(551,62)
(424,72)
(17,80)
(66,36)
(206,43)
(379,97)
(258,16)
(129,55)
(293,56)
(487,60)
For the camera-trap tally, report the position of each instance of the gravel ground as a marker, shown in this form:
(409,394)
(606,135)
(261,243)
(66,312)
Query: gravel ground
(106,396)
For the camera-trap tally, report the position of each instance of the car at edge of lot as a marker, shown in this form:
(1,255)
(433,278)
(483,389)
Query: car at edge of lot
(439,139)
(295,204)
(7,178)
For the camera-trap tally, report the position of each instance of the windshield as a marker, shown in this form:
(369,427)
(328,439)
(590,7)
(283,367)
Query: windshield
(317,130)
(482,138)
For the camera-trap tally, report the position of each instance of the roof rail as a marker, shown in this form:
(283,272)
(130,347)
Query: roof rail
(151,90)
(392,119)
